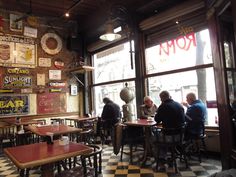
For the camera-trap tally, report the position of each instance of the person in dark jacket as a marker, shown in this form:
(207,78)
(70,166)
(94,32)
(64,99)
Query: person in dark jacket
(111,112)
(170,112)
(111,115)
(195,116)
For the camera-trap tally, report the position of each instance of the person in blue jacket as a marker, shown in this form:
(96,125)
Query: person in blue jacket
(196,115)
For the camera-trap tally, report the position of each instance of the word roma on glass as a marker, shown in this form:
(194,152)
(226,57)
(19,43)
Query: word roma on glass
(182,42)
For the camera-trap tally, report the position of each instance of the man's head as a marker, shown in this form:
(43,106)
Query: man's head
(148,101)
(190,98)
(106,100)
(164,95)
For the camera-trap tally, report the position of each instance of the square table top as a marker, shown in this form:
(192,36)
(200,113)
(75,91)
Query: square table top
(78,119)
(22,121)
(59,129)
(37,154)
(141,123)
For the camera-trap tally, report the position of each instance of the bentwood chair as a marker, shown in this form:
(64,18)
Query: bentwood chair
(89,166)
(195,144)
(7,135)
(125,135)
(170,141)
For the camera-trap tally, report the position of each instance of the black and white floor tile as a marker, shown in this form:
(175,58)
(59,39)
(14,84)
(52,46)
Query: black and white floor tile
(112,166)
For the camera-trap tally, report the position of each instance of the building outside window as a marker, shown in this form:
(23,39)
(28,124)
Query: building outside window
(113,70)
(183,65)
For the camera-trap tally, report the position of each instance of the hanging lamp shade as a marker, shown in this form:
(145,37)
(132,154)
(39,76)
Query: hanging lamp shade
(110,35)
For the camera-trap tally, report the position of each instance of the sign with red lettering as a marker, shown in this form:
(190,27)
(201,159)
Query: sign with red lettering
(180,43)
(51,103)
(14,104)
(187,50)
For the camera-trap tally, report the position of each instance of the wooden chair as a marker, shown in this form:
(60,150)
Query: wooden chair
(87,135)
(87,167)
(196,146)
(7,135)
(102,131)
(169,140)
(58,120)
(131,136)
(24,138)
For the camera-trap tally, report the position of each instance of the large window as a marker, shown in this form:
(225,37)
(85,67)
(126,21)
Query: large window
(113,64)
(183,65)
(113,68)
(113,92)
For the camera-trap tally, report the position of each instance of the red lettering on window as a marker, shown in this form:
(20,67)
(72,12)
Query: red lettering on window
(165,47)
(192,39)
(181,41)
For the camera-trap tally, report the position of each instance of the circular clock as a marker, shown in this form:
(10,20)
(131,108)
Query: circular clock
(51,43)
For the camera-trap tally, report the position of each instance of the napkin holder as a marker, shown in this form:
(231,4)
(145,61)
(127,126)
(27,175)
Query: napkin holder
(64,140)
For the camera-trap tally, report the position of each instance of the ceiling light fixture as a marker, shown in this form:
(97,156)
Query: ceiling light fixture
(67,14)
(110,35)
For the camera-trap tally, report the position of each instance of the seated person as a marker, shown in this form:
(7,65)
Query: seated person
(171,114)
(111,114)
(148,109)
(195,116)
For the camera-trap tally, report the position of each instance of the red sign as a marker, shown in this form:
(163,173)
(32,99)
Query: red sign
(51,103)
(59,64)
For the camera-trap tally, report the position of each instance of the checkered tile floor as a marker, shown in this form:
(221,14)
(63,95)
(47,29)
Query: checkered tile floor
(113,167)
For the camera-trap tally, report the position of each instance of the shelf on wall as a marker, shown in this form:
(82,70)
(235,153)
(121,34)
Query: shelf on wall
(81,69)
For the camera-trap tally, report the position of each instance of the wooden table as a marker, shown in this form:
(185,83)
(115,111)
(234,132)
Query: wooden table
(44,155)
(59,129)
(21,122)
(78,121)
(146,124)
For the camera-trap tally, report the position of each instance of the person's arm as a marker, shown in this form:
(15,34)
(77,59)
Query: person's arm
(105,113)
(157,117)
(142,112)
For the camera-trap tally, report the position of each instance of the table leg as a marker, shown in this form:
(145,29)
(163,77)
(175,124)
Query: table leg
(147,146)
(47,170)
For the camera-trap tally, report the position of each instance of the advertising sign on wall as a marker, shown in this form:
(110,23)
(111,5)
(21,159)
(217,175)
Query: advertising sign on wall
(14,104)
(17,81)
(17,51)
(51,103)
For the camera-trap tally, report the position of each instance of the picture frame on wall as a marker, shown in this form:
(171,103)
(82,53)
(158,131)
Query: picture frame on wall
(15,24)
(73,90)
(55,74)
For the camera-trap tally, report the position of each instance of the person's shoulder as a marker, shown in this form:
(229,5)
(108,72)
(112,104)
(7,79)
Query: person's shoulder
(115,105)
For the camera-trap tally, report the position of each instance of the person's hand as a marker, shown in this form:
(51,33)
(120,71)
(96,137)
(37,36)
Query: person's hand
(184,104)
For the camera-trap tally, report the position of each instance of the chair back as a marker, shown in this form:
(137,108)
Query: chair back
(7,134)
(172,135)
(96,164)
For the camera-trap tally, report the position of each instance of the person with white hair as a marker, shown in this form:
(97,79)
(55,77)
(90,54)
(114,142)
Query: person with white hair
(195,116)
(148,109)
